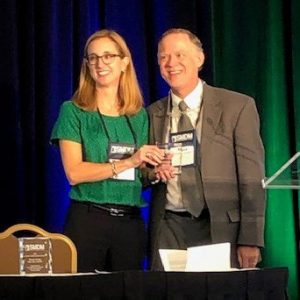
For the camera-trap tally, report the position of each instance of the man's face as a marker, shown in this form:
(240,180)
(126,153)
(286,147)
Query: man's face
(179,60)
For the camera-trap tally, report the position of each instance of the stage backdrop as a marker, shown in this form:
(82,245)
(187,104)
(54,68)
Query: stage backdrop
(251,46)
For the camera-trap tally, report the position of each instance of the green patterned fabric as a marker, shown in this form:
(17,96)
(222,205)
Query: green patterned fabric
(86,128)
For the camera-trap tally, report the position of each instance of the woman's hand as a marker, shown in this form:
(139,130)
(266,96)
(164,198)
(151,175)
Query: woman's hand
(150,154)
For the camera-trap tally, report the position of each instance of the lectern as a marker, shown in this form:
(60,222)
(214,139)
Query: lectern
(286,177)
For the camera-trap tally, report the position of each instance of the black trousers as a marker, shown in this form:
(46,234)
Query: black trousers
(105,242)
(180,231)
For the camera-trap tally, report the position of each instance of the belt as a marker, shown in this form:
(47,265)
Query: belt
(114,209)
(186,214)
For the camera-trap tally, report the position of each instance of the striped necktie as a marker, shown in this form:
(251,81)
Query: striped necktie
(190,178)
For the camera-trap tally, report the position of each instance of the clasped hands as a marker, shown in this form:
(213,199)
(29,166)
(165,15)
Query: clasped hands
(161,159)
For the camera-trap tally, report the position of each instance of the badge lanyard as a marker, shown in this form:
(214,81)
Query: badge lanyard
(117,151)
(128,123)
(189,158)
(170,115)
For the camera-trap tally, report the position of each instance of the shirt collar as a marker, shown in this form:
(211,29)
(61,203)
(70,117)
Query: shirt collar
(193,99)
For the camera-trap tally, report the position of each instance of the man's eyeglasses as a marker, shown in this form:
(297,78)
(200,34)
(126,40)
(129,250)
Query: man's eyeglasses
(107,58)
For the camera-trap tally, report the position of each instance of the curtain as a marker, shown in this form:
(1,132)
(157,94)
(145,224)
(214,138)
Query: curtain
(251,46)
(255,51)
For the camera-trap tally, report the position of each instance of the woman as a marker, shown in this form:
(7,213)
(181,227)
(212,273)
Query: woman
(102,134)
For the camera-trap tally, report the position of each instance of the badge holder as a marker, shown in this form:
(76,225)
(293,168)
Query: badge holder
(118,151)
(182,154)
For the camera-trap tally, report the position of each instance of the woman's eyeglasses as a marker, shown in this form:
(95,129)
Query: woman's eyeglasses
(107,58)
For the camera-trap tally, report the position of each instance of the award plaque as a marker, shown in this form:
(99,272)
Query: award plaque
(35,255)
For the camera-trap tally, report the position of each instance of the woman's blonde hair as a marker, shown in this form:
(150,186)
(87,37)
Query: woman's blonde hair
(129,92)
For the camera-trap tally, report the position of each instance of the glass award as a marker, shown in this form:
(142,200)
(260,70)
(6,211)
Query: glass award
(35,255)
(183,154)
(286,177)
(173,155)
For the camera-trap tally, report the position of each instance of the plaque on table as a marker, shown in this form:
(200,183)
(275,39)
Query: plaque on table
(35,255)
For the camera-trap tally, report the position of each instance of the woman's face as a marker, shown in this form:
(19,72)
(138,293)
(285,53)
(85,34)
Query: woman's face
(105,63)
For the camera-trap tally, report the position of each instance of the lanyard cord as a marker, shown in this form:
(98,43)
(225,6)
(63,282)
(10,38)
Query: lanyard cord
(170,114)
(128,123)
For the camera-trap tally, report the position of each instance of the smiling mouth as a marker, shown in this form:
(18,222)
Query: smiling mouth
(174,72)
(102,73)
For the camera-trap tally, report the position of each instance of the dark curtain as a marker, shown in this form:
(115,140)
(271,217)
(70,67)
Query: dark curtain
(251,46)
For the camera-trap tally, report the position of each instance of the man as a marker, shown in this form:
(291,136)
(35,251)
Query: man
(222,179)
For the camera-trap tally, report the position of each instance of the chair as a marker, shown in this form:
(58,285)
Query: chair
(64,254)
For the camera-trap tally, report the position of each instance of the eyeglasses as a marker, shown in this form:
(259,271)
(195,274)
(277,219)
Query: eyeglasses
(107,58)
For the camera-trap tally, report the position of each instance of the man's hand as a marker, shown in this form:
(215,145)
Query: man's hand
(248,256)
(165,171)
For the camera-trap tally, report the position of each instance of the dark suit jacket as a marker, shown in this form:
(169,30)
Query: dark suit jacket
(231,164)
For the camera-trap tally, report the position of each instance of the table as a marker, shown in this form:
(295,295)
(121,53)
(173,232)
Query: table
(269,283)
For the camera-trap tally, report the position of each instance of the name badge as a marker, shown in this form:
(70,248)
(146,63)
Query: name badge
(183,148)
(118,151)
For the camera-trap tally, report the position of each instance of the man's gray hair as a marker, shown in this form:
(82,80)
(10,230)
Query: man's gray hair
(194,39)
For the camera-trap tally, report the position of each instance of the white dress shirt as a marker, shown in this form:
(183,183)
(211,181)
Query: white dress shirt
(193,101)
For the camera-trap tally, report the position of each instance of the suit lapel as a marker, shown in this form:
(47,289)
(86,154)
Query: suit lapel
(161,121)
(211,117)
(210,121)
